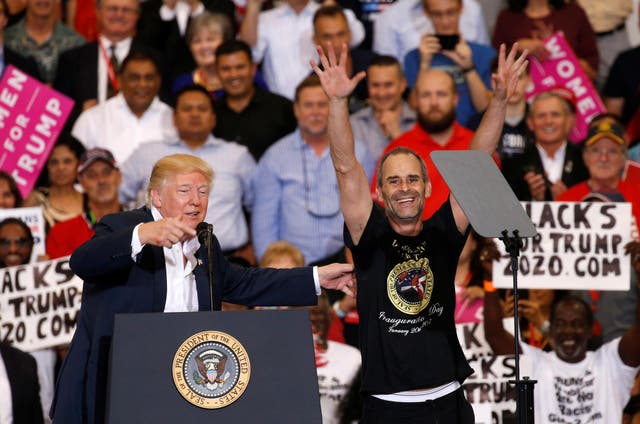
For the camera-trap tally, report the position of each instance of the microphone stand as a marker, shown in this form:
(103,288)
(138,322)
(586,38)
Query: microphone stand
(524,387)
(208,236)
(210,263)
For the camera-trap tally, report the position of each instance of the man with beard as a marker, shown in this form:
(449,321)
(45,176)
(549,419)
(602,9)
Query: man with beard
(100,179)
(436,129)
(412,363)
(574,385)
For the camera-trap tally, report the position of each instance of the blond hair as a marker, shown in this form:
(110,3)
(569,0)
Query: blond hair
(172,165)
(279,249)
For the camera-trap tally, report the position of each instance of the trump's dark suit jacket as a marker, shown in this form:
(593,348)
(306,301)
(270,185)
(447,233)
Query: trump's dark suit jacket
(114,283)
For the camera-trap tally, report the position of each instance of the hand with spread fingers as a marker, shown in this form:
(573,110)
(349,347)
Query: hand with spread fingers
(333,75)
(505,79)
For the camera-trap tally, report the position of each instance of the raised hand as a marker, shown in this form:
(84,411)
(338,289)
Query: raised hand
(509,70)
(333,77)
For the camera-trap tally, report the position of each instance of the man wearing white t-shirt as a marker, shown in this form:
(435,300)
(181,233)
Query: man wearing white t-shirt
(574,385)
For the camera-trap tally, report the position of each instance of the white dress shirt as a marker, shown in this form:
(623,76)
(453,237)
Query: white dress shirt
(553,165)
(111,125)
(181,13)
(182,295)
(398,29)
(122,50)
(285,45)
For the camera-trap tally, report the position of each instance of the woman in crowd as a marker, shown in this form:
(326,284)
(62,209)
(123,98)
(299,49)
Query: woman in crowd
(58,195)
(205,33)
(10,196)
(530,22)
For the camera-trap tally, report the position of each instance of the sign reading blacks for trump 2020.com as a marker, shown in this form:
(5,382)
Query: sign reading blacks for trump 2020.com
(39,304)
(579,246)
(31,117)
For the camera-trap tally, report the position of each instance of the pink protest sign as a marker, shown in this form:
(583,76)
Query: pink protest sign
(31,117)
(562,69)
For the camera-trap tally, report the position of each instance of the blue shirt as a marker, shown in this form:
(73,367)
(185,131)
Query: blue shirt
(233,167)
(283,209)
(482,58)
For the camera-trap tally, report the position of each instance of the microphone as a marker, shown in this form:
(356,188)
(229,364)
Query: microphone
(203,230)
(205,233)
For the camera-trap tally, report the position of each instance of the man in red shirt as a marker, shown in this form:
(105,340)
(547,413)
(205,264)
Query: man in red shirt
(605,156)
(100,179)
(436,129)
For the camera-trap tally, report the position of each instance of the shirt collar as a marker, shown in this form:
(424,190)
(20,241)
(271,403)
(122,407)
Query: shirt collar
(425,135)
(556,155)
(309,9)
(120,102)
(120,45)
(210,141)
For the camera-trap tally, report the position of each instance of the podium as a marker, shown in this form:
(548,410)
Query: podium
(233,366)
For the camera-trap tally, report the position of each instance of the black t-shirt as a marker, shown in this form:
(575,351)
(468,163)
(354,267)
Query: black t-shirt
(406,302)
(513,139)
(266,119)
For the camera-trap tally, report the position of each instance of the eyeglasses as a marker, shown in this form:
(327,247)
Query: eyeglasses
(439,15)
(19,242)
(316,203)
(125,10)
(597,151)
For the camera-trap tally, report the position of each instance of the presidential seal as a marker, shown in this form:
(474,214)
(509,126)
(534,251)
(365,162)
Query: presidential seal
(410,285)
(211,369)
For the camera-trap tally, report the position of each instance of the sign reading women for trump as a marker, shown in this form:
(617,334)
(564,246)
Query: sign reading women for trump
(580,245)
(562,69)
(39,304)
(31,117)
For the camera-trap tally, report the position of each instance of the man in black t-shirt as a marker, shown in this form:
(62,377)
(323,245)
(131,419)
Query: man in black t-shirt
(412,362)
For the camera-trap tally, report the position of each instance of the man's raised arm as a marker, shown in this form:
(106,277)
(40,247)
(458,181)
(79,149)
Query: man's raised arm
(488,133)
(504,82)
(355,199)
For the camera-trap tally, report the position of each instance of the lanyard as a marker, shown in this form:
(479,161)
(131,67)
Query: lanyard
(111,73)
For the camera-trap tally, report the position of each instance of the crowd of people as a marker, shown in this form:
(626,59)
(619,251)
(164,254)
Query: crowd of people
(282,101)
